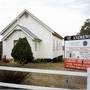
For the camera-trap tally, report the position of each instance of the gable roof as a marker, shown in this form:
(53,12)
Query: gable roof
(30,33)
(25,30)
(43,24)
(57,35)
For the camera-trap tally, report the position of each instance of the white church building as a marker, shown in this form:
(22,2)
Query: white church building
(45,43)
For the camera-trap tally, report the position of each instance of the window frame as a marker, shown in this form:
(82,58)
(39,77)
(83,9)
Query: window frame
(36,46)
(15,42)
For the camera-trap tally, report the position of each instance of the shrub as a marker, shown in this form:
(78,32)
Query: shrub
(22,51)
(58,59)
(44,60)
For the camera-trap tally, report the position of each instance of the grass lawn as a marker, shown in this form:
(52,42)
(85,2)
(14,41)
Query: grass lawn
(45,65)
(56,66)
(41,79)
(50,80)
(45,79)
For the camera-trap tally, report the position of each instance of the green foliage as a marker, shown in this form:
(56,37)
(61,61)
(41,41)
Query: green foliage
(22,51)
(85,29)
(57,59)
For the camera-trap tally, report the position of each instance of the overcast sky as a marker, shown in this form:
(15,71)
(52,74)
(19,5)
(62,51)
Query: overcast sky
(64,16)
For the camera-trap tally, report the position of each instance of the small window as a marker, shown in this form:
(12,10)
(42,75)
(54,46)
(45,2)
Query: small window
(57,45)
(15,42)
(53,45)
(35,46)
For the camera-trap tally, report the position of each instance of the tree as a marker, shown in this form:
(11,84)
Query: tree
(85,29)
(22,51)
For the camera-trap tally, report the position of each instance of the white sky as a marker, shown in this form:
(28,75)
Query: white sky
(64,16)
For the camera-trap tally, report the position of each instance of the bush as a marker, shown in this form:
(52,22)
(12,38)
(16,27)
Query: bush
(42,61)
(57,59)
(22,52)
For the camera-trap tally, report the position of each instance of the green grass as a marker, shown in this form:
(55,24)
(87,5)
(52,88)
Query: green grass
(45,65)
(57,66)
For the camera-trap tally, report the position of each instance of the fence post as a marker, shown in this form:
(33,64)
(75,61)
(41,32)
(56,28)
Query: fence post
(88,79)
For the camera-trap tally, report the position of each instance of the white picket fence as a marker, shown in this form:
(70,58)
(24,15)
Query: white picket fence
(57,72)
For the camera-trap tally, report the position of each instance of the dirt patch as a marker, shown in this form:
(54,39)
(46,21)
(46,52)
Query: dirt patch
(59,81)
(45,80)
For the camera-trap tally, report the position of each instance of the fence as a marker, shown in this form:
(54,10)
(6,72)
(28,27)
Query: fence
(55,72)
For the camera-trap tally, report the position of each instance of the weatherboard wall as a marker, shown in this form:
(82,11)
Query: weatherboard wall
(44,48)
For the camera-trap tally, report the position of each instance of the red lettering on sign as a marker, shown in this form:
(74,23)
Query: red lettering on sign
(81,64)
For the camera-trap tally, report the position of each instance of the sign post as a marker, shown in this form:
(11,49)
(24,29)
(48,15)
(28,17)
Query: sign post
(77,52)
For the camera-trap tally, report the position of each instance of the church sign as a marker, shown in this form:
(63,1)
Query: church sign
(77,52)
